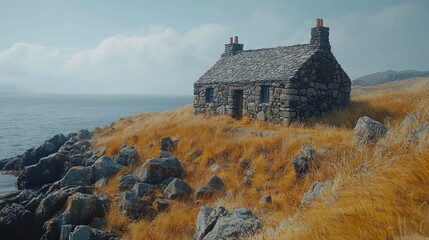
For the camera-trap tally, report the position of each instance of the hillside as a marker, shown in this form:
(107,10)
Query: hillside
(388,76)
(378,191)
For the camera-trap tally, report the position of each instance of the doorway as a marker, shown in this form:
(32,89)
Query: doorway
(238,104)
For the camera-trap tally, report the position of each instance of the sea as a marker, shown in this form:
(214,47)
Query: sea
(26,120)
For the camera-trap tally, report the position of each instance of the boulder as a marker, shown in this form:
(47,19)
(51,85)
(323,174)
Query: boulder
(82,208)
(16,222)
(418,134)
(127,181)
(81,233)
(156,170)
(206,220)
(50,205)
(71,232)
(410,120)
(166,144)
(213,185)
(126,156)
(143,189)
(167,181)
(78,176)
(66,230)
(47,170)
(313,193)
(132,206)
(177,189)
(368,131)
(33,155)
(53,202)
(104,167)
(213,225)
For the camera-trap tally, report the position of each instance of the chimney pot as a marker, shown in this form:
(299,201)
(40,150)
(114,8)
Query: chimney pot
(230,40)
(236,39)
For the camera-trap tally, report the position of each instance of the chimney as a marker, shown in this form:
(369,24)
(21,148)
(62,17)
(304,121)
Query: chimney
(320,35)
(233,47)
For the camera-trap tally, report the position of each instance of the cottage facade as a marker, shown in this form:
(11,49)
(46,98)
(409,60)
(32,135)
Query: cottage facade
(279,85)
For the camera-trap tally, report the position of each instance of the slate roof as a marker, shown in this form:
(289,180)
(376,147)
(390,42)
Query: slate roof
(279,63)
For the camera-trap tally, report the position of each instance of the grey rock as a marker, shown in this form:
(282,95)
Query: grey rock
(247,182)
(206,220)
(66,230)
(300,165)
(308,152)
(165,183)
(368,131)
(104,167)
(240,222)
(126,156)
(133,206)
(47,170)
(156,170)
(164,154)
(166,144)
(213,185)
(410,120)
(78,176)
(178,189)
(143,189)
(313,193)
(16,222)
(101,183)
(127,181)
(266,199)
(82,208)
(418,133)
(81,233)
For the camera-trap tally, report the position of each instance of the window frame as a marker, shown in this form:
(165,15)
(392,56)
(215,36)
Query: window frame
(209,93)
(265,94)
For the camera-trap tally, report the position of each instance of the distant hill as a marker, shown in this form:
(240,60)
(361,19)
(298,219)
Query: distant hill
(388,76)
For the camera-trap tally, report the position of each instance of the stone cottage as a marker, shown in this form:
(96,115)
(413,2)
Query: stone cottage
(279,85)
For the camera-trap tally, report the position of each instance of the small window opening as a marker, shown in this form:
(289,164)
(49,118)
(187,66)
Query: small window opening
(265,94)
(209,95)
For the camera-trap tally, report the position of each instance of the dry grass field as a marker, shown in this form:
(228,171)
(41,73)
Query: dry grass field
(378,192)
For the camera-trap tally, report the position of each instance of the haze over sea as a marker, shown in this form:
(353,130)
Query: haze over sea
(26,120)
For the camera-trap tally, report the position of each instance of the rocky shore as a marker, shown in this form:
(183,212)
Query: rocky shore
(56,197)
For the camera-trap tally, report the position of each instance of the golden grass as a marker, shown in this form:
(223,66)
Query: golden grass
(379,191)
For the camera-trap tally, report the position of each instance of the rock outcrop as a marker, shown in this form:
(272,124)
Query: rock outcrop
(47,170)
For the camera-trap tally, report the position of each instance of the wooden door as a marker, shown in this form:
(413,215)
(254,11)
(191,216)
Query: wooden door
(238,104)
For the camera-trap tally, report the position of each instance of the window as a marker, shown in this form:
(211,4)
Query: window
(265,94)
(209,95)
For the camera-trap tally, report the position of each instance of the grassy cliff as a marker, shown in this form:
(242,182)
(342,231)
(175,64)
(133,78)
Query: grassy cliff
(378,191)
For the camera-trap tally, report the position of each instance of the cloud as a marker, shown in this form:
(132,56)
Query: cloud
(158,62)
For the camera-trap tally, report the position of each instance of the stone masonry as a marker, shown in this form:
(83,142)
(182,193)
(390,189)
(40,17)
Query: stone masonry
(279,85)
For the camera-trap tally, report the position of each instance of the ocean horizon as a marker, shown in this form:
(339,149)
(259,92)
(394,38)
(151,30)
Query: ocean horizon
(28,119)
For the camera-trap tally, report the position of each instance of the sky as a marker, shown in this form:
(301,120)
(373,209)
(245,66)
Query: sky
(162,47)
